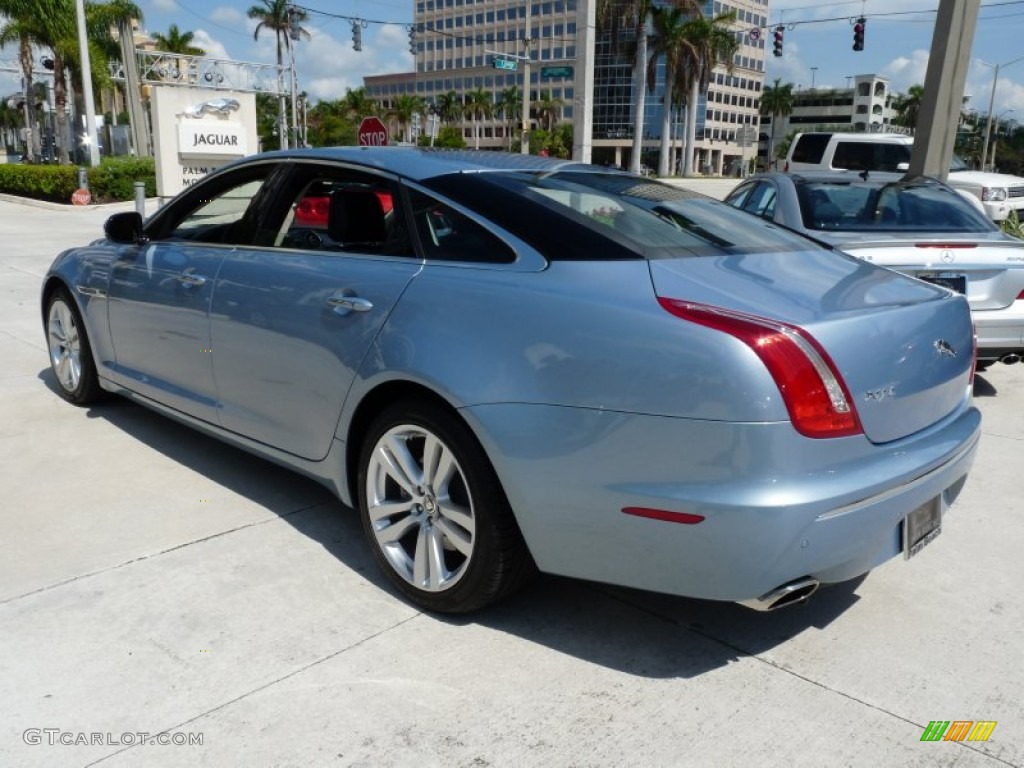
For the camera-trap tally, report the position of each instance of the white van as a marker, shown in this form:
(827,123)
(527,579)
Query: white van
(998,193)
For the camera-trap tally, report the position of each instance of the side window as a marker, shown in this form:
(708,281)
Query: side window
(854,156)
(218,218)
(810,147)
(342,210)
(891,155)
(762,201)
(738,196)
(447,235)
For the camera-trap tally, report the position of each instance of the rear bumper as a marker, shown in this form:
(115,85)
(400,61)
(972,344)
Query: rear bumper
(999,331)
(776,506)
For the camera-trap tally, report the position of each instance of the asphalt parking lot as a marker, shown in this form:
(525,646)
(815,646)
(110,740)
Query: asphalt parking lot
(158,586)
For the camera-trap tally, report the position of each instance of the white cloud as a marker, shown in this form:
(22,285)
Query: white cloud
(328,66)
(167,6)
(904,71)
(211,47)
(228,16)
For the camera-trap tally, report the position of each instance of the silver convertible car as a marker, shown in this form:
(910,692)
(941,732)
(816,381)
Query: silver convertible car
(510,363)
(918,226)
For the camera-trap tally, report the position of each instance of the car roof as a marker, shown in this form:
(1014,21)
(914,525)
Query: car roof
(839,177)
(867,138)
(419,163)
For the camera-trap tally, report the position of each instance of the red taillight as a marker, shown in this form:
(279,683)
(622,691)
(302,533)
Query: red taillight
(1020,296)
(686,518)
(815,395)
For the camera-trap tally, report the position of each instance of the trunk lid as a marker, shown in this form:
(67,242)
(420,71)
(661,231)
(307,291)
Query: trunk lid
(991,267)
(903,348)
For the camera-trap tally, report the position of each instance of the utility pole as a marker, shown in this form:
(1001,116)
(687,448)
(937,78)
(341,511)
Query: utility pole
(583,82)
(944,88)
(90,110)
(133,90)
(524,145)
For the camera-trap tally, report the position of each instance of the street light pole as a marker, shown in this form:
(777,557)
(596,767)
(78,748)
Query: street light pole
(524,143)
(90,112)
(991,104)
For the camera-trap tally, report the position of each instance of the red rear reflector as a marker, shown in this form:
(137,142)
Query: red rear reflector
(661,514)
(815,395)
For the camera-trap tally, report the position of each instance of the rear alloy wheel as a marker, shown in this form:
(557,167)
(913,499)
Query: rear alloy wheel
(70,353)
(434,512)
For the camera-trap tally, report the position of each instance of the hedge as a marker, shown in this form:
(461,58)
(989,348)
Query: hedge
(114,179)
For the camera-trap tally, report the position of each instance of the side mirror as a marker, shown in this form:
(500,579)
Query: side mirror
(125,228)
(902,166)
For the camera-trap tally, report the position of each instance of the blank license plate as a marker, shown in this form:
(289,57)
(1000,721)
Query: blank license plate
(956,283)
(921,526)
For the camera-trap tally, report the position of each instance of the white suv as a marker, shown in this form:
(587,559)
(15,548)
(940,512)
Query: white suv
(999,193)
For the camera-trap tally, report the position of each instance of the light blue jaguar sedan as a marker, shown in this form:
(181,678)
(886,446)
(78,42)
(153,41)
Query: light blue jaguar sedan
(510,363)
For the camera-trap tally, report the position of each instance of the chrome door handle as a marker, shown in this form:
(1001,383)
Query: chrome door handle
(191,280)
(354,303)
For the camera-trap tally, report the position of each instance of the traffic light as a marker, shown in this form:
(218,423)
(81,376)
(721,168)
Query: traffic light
(858,34)
(779,32)
(412,40)
(357,35)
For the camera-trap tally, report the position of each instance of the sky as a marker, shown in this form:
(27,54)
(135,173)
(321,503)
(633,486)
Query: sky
(817,50)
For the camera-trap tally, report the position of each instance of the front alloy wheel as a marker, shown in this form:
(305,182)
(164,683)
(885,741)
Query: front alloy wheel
(70,354)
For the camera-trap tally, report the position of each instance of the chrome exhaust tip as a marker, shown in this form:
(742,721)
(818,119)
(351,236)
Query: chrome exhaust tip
(788,594)
(1010,358)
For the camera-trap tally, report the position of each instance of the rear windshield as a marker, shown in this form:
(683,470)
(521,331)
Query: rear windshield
(615,214)
(897,207)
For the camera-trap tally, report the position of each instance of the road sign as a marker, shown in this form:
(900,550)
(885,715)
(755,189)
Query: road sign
(562,71)
(372,133)
(509,64)
(81,197)
(746,136)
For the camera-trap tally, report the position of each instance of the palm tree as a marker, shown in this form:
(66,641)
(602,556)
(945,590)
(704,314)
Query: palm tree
(510,106)
(358,104)
(712,44)
(176,41)
(285,20)
(776,100)
(478,105)
(670,41)
(610,15)
(405,106)
(548,110)
(449,107)
(908,106)
(16,29)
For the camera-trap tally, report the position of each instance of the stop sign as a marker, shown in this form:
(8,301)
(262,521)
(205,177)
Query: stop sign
(372,133)
(81,197)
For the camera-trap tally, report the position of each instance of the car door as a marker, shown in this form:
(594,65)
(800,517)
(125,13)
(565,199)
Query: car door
(293,317)
(160,292)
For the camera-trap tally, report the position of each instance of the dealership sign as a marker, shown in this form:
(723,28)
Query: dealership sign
(217,137)
(197,130)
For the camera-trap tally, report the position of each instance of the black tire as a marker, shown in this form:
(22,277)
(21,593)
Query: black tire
(71,360)
(497,561)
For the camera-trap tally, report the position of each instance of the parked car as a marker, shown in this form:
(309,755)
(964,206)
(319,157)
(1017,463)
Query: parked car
(998,193)
(920,227)
(527,362)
